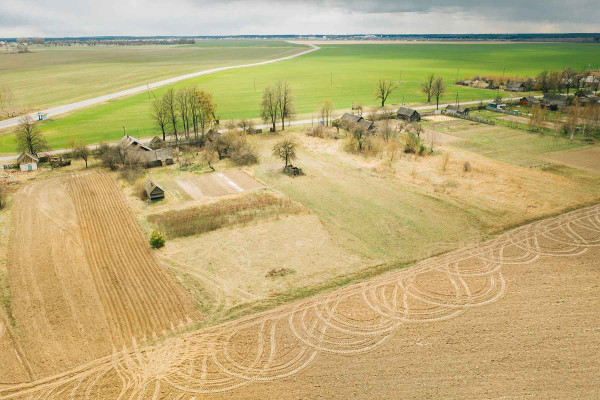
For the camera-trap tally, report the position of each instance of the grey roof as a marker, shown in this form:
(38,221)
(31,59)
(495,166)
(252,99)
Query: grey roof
(515,85)
(347,117)
(127,141)
(27,154)
(455,108)
(366,123)
(406,111)
(151,186)
(158,155)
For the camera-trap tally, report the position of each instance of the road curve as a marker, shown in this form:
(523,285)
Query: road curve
(128,92)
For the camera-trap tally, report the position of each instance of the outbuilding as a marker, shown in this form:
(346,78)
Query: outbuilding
(515,87)
(154,190)
(28,162)
(408,114)
(529,101)
(454,109)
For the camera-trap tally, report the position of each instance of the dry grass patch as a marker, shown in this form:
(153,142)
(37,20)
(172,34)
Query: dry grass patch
(238,211)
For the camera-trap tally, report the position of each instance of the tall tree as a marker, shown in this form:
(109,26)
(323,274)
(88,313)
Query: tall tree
(80,150)
(269,109)
(569,77)
(207,110)
(542,81)
(326,109)
(160,116)
(171,109)
(438,88)
(29,138)
(285,150)
(182,98)
(383,90)
(427,86)
(555,81)
(285,102)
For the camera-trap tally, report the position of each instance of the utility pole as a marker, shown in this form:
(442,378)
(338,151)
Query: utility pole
(124,133)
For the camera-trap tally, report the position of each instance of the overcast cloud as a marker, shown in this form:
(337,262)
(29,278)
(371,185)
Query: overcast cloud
(57,18)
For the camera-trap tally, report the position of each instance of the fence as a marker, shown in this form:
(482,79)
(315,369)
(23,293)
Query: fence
(499,110)
(470,118)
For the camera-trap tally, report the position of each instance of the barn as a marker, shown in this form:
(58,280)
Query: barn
(515,87)
(28,162)
(529,101)
(454,109)
(408,114)
(350,119)
(154,190)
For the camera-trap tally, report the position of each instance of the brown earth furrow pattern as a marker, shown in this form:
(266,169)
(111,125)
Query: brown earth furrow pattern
(362,321)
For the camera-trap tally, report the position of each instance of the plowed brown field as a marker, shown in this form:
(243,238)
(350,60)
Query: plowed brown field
(515,317)
(83,278)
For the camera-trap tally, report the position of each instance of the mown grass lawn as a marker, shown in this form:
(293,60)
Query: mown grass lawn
(346,74)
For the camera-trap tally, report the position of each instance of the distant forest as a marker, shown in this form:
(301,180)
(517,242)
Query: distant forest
(138,40)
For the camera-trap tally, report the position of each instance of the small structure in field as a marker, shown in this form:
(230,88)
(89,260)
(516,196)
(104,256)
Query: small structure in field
(454,109)
(153,190)
(529,101)
(408,114)
(157,143)
(515,87)
(293,171)
(28,162)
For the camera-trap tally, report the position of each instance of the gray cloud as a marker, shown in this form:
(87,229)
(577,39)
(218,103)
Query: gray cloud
(225,17)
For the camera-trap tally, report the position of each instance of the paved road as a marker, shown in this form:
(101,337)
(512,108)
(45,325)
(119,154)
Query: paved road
(128,92)
(12,158)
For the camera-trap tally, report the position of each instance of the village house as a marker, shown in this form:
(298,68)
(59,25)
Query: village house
(529,101)
(455,109)
(408,114)
(28,162)
(349,119)
(150,157)
(515,87)
(554,101)
(586,97)
(153,190)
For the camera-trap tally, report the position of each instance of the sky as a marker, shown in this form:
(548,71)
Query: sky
(59,18)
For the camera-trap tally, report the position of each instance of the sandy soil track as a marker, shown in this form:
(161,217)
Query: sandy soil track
(218,184)
(421,332)
(84,280)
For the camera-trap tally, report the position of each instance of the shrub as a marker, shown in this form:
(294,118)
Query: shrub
(278,272)
(445,161)
(412,143)
(316,131)
(157,240)
(467,166)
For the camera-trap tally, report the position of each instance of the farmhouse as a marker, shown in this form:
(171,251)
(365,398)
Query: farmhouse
(349,119)
(529,101)
(408,114)
(153,190)
(150,157)
(586,96)
(554,101)
(515,87)
(454,109)
(28,162)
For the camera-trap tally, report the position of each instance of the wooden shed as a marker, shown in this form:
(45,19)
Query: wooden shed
(154,190)
(408,114)
(454,109)
(28,162)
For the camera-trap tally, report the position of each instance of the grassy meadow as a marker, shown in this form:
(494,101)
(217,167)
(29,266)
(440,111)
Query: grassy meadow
(51,76)
(346,74)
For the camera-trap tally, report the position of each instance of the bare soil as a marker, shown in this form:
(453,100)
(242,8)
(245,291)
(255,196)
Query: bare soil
(514,317)
(83,278)
(217,184)
(587,159)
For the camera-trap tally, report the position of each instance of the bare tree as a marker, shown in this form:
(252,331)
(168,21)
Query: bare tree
(206,109)
(538,116)
(360,135)
(438,89)
(269,106)
(183,97)
(542,81)
(326,110)
(209,156)
(555,81)
(171,109)
(29,138)
(427,86)
(160,116)
(569,77)
(285,150)
(285,102)
(80,150)
(386,130)
(432,136)
(384,89)
(246,125)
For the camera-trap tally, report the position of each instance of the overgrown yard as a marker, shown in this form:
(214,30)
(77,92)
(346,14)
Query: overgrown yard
(237,211)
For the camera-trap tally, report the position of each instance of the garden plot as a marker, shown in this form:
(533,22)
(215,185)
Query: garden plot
(217,184)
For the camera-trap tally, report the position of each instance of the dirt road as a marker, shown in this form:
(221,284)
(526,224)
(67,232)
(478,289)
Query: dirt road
(515,317)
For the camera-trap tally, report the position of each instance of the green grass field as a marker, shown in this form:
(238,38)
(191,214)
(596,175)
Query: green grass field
(342,73)
(51,76)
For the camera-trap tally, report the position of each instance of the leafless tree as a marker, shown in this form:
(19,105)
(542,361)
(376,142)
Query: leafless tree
(29,138)
(555,81)
(210,156)
(569,77)
(285,150)
(269,106)
(438,89)
(182,98)
(384,89)
(204,109)
(80,150)
(246,125)
(427,86)
(360,135)
(285,102)
(160,116)
(386,130)
(326,110)
(170,104)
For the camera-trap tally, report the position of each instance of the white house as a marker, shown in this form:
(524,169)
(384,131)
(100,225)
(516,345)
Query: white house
(28,162)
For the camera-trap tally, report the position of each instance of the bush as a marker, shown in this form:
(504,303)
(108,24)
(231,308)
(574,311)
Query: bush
(316,131)
(467,166)
(157,240)
(412,143)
